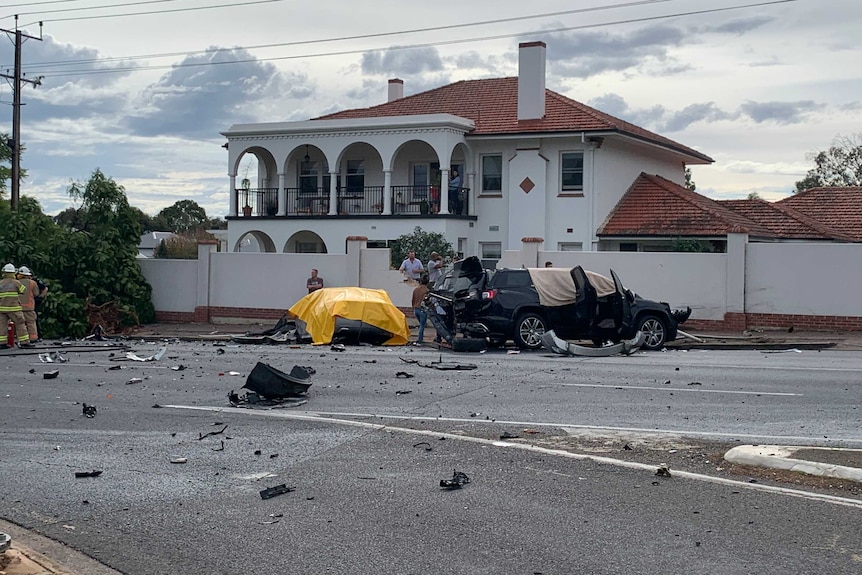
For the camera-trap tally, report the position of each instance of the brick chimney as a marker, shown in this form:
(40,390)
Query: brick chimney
(396,89)
(531,80)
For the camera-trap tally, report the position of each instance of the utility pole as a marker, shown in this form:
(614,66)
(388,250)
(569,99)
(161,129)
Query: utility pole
(17,79)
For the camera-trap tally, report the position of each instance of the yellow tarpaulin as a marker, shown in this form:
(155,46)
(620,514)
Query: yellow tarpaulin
(320,308)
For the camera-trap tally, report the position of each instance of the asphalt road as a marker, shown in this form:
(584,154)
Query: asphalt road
(366,460)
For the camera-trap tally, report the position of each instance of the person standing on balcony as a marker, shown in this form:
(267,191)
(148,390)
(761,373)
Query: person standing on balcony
(315,282)
(412,267)
(454,193)
(435,268)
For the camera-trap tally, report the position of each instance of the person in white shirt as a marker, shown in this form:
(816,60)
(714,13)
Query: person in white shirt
(435,268)
(411,267)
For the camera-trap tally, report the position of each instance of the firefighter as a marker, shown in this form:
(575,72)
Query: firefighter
(28,301)
(10,306)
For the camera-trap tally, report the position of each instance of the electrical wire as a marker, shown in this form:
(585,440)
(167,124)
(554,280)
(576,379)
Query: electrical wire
(372,35)
(86,8)
(419,45)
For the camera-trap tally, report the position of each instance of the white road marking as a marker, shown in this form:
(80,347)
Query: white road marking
(843,501)
(695,389)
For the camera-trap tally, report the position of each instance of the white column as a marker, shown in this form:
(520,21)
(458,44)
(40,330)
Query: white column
(333,193)
(444,191)
(387,192)
(232,207)
(735,258)
(282,195)
(471,195)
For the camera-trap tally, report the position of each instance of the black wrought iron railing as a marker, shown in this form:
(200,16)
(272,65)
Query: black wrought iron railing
(362,201)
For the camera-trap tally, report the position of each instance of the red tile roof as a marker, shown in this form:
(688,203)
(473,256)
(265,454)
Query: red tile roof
(656,206)
(837,208)
(784,221)
(492,104)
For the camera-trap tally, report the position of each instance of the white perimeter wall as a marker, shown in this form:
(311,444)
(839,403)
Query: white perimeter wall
(680,279)
(174,282)
(806,279)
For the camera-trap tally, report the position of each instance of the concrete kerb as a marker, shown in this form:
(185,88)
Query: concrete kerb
(781,457)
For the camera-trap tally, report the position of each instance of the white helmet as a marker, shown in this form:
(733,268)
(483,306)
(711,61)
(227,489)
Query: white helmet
(24,271)
(8,269)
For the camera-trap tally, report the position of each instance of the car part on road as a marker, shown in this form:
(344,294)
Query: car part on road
(459,480)
(94,473)
(89,410)
(51,374)
(271,492)
(563,347)
(471,344)
(273,383)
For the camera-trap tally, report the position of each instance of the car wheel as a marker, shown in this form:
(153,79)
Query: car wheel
(529,329)
(654,330)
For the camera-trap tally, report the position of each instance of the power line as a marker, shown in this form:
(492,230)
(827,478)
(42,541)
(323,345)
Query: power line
(86,8)
(37,3)
(191,9)
(421,45)
(366,36)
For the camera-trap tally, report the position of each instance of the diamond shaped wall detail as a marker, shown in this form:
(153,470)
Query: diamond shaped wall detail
(527,185)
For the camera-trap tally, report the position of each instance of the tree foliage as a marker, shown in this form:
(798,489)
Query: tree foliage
(689,183)
(839,166)
(183,216)
(421,242)
(89,262)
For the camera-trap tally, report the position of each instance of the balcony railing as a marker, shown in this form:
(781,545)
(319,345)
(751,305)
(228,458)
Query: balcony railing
(364,201)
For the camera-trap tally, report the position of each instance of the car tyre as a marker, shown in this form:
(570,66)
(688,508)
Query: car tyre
(654,330)
(529,329)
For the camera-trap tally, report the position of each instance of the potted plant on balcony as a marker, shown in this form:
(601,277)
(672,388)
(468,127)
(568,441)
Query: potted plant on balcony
(271,207)
(424,208)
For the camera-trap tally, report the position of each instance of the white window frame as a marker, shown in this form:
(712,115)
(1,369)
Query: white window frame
(483,191)
(572,189)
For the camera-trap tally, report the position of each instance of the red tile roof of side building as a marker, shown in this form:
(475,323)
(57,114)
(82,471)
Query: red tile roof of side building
(492,104)
(656,206)
(784,221)
(837,208)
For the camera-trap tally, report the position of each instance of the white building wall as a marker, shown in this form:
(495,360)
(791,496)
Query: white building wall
(806,279)
(681,279)
(272,281)
(174,283)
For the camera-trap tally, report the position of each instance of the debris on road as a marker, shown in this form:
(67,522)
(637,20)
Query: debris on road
(179,460)
(338,347)
(51,374)
(663,471)
(272,383)
(423,443)
(564,347)
(89,410)
(403,392)
(133,357)
(94,473)
(403,374)
(205,435)
(271,492)
(449,366)
(507,435)
(51,357)
(134,380)
(459,480)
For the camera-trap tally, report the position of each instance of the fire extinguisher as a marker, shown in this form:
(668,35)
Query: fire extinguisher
(10,334)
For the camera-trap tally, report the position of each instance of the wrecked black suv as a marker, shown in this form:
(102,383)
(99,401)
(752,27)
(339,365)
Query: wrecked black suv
(522,304)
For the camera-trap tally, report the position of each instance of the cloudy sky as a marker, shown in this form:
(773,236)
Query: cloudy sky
(143,96)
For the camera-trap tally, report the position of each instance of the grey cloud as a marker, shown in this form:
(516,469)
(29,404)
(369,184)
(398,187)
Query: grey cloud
(405,62)
(63,64)
(662,120)
(851,106)
(707,112)
(207,92)
(779,112)
(473,60)
(737,26)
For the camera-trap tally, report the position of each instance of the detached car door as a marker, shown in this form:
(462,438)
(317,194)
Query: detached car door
(623,309)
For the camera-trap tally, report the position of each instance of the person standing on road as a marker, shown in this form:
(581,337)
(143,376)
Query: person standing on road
(10,306)
(419,293)
(435,268)
(315,282)
(411,267)
(28,301)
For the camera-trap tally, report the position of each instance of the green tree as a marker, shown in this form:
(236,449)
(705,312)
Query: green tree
(6,164)
(689,183)
(183,216)
(754,196)
(147,222)
(839,166)
(103,270)
(423,243)
(688,245)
